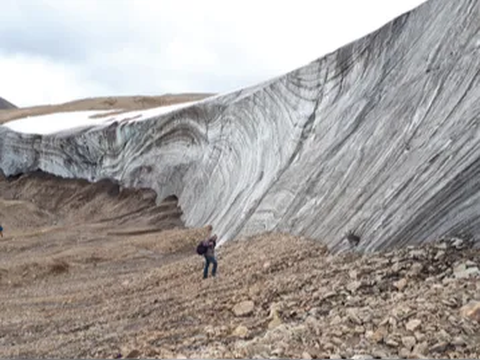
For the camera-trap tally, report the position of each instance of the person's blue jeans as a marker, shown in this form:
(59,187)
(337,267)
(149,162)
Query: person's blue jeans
(208,260)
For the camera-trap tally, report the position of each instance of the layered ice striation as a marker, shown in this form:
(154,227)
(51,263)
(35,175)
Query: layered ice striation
(381,137)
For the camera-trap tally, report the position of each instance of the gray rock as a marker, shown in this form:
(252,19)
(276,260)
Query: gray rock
(462,271)
(409,342)
(244,308)
(361,357)
(471,310)
(391,343)
(421,348)
(241,331)
(416,269)
(133,354)
(413,324)
(352,315)
(439,347)
(459,341)
(336,356)
(404,353)
(306,355)
(378,354)
(354,286)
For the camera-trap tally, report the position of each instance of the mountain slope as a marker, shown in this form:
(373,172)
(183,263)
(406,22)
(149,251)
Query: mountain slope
(6,105)
(380,137)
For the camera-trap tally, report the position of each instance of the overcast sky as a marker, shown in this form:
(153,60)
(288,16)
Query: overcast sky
(58,50)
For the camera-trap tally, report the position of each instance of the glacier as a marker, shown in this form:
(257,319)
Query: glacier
(380,137)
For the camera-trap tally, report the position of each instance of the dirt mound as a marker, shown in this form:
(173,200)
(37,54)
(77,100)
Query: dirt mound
(120,103)
(42,200)
(6,105)
(51,223)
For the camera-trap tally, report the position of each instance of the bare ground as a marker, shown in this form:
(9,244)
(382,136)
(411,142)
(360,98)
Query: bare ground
(93,270)
(119,103)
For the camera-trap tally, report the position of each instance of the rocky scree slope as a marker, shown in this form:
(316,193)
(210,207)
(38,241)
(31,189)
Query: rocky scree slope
(299,301)
(290,298)
(381,137)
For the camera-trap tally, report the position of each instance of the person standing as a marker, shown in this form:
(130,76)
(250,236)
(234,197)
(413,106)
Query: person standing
(210,244)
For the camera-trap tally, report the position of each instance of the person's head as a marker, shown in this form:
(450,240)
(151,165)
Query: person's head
(214,237)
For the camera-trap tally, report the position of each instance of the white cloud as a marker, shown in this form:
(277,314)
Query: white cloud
(28,80)
(56,50)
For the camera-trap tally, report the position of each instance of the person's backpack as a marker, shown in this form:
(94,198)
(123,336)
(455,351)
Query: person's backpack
(202,248)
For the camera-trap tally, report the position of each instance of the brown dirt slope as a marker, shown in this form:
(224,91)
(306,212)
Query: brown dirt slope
(6,105)
(120,103)
(92,270)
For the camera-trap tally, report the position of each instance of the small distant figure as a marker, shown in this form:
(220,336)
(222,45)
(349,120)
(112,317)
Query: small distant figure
(210,257)
(353,239)
(1,231)
(207,249)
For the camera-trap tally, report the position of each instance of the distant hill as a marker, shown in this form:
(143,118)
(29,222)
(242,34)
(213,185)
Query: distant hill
(121,103)
(6,105)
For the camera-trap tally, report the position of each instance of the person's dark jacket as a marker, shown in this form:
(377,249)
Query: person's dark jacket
(211,247)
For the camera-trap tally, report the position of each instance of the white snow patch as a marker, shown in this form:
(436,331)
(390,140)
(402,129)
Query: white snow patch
(140,115)
(62,121)
(51,123)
